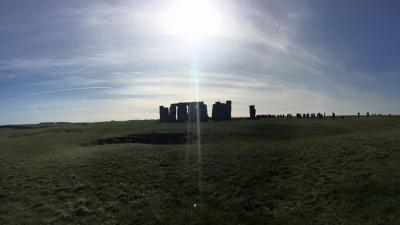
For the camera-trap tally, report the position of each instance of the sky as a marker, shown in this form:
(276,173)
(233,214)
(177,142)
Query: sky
(100,60)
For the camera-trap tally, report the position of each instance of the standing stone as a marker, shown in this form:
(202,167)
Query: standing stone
(333,115)
(217,111)
(203,112)
(358,114)
(228,110)
(182,112)
(163,114)
(367,114)
(214,111)
(192,112)
(221,111)
(172,113)
(252,109)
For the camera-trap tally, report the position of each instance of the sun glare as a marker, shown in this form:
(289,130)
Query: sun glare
(192,19)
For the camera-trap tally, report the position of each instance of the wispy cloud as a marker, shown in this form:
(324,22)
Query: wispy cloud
(50,92)
(63,90)
(122,55)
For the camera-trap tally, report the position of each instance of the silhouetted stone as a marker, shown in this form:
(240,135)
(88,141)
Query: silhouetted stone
(163,114)
(203,112)
(222,111)
(252,109)
(182,112)
(358,115)
(217,111)
(197,111)
(333,115)
(367,114)
(214,111)
(228,110)
(192,112)
(172,113)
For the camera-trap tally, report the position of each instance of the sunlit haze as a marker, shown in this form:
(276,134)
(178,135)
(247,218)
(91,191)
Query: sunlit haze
(193,20)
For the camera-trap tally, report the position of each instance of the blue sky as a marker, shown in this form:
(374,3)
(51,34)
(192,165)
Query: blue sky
(117,60)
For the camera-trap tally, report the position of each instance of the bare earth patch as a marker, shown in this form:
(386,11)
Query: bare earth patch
(151,138)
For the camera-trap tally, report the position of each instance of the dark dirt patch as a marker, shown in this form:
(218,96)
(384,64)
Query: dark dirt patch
(69,130)
(151,138)
(23,135)
(19,127)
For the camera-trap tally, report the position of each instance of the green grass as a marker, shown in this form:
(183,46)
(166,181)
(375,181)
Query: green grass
(279,171)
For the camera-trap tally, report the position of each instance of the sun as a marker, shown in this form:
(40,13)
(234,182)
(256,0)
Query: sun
(192,19)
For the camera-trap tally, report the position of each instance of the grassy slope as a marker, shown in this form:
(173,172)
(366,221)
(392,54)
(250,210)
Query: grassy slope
(343,171)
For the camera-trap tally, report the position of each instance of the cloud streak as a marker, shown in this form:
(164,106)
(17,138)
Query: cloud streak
(64,90)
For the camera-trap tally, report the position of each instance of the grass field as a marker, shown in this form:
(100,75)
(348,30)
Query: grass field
(272,171)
